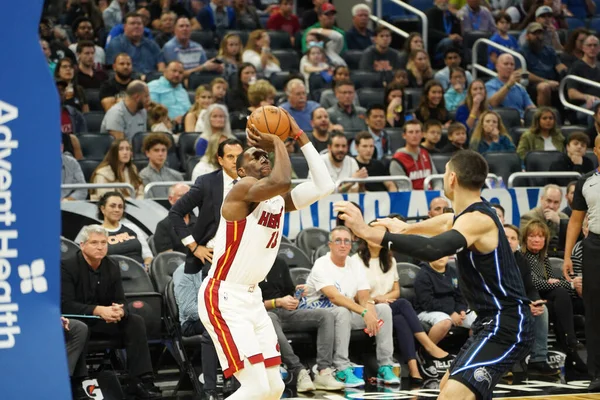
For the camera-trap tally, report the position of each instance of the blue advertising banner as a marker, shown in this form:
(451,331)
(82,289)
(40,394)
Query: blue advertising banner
(32,351)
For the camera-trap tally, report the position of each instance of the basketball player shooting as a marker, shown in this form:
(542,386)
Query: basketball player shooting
(230,302)
(489,276)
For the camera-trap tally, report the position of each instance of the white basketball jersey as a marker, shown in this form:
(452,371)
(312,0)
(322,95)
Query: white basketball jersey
(245,250)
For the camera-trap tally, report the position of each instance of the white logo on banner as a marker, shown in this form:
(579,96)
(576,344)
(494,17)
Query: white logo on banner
(32,277)
(92,390)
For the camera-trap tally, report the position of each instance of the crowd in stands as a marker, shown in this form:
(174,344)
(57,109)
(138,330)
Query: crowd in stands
(159,91)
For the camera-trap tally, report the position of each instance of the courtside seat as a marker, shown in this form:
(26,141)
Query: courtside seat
(288,59)
(68,248)
(293,256)
(93,120)
(162,268)
(503,164)
(310,239)
(187,148)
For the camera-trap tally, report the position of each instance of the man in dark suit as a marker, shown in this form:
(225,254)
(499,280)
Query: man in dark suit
(165,238)
(91,286)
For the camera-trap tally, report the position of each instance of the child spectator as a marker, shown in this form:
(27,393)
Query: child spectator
(158,118)
(491,135)
(432,105)
(395,105)
(203,99)
(457,136)
(315,61)
(400,77)
(456,93)
(218,88)
(230,52)
(432,136)
(501,37)
(574,159)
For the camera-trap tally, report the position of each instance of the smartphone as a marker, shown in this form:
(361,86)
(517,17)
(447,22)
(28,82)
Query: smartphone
(380,323)
(218,60)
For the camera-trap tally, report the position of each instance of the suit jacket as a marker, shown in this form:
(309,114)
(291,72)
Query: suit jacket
(206,194)
(75,280)
(165,237)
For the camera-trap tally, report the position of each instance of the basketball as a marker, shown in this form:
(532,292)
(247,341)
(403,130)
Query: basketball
(271,119)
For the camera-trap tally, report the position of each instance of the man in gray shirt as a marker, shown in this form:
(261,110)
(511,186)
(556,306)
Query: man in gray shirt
(380,57)
(156,146)
(345,113)
(71,174)
(129,116)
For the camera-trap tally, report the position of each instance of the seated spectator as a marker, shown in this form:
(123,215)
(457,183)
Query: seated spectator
(87,76)
(119,29)
(501,37)
(439,301)
(411,160)
(166,25)
(574,159)
(457,93)
(113,90)
(203,99)
(76,343)
(586,96)
(72,122)
(364,146)
(547,211)
(340,165)
(395,105)
(413,42)
(543,64)
(376,124)
(574,47)
(78,10)
(569,194)
(230,52)
(129,116)
(474,17)
(315,62)
(117,167)
(155,147)
(538,363)
(258,53)
(58,50)
(158,119)
(145,53)
(452,59)
(437,206)
(333,43)
(324,27)
(550,38)
(432,135)
(113,14)
(555,289)
(83,29)
(380,268)
(191,54)
(321,128)
(419,69)
(297,103)
(328,99)
(310,16)
(215,121)
(475,104)
(285,20)
(165,238)
(246,17)
(46,49)
(443,29)
(168,90)
(156,9)
(74,94)
(218,88)
(457,138)
(345,113)
(238,98)
(84,293)
(335,281)
(543,135)
(278,292)
(220,153)
(216,17)
(505,90)
(490,134)
(380,57)
(359,36)
(432,104)
(261,94)
(71,173)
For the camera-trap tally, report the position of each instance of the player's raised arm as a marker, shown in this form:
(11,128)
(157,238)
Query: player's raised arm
(430,227)
(321,184)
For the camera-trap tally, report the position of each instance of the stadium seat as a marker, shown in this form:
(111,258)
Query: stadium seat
(153,75)
(299,275)
(352,58)
(510,117)
(590,154)
(201,78)
(370,96)
(88,167)
(531,112)
(241,136)
(316,81)
(134,277)
(68,248)
(285,239)
(540,161)
(279,79)
(440,160)
(422,5)
(192,96)
(299,166)
(189,166)
(93,120)
(94,146)
(574,23)
(280,40)
(293,256)
(320,252)
(516,133)
(140,163)
(162,268)
(366,79)
(469,39)
(503,164)
(238,120)
(187,147)
(407,273)
(557,264)
(172,157)
(315,94)
(205,38)
(396,139)
(595,24)
(310,239)
(93,99)
(567,130)
(288,59)
(152,245)
(412,97)
(211,53)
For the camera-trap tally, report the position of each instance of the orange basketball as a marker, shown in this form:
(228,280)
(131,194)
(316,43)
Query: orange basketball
(271,119)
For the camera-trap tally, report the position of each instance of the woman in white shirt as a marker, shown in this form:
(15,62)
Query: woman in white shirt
(381,272)
(258,53)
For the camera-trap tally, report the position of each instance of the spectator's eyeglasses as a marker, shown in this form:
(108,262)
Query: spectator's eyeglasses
(339,242)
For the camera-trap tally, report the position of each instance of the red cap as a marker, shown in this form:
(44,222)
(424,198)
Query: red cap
(328,7)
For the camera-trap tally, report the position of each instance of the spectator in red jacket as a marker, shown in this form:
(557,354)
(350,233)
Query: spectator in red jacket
(284,20)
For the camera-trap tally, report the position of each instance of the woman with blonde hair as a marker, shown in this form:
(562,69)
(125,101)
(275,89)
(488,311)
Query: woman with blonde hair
(419,69)
(216,123)
(203,98)
(490,134)
(118,166)
(258,53)
(230,51)
(543,134)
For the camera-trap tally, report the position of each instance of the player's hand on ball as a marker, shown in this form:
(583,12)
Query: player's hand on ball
(261,140)
(393,225)
(294,128)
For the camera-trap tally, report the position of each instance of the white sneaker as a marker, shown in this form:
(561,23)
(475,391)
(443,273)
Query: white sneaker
(324,380)
(303,383)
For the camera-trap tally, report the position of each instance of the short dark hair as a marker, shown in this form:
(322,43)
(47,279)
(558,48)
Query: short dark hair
(451,50)
(375,107)
(430,123)
(80,20)
(363,135)
(346,82)
(455,127)
(572,183)
(230,142)
(381,28)
(335,134)
(412,122)
(83,44)
(155,138)
(132,14)
(580,137)
(514,228)
(499,207)
(503,15)
(470,168)
(104,199)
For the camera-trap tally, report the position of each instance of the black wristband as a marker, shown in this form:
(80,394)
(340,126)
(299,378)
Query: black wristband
(195,248)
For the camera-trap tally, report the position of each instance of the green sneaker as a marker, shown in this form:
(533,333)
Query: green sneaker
(348,378)
(386,375)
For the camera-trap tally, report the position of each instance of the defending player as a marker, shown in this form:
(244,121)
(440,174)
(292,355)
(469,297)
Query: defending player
(230,301)
(488,273)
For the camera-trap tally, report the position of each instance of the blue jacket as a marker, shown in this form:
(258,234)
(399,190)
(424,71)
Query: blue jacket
(206,18)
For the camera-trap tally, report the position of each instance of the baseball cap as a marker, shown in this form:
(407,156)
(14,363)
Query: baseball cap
(534,27)
(328,7)
(543,10)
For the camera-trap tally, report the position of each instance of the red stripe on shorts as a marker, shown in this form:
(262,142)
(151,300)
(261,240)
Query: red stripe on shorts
(257,358)
(233,236)
(273,361)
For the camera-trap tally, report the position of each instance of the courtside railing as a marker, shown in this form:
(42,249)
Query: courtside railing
(525,175)
(405,183)
(91,186)
(563,98)
(152,185)
(475,66)
(395,29)
(440,177)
